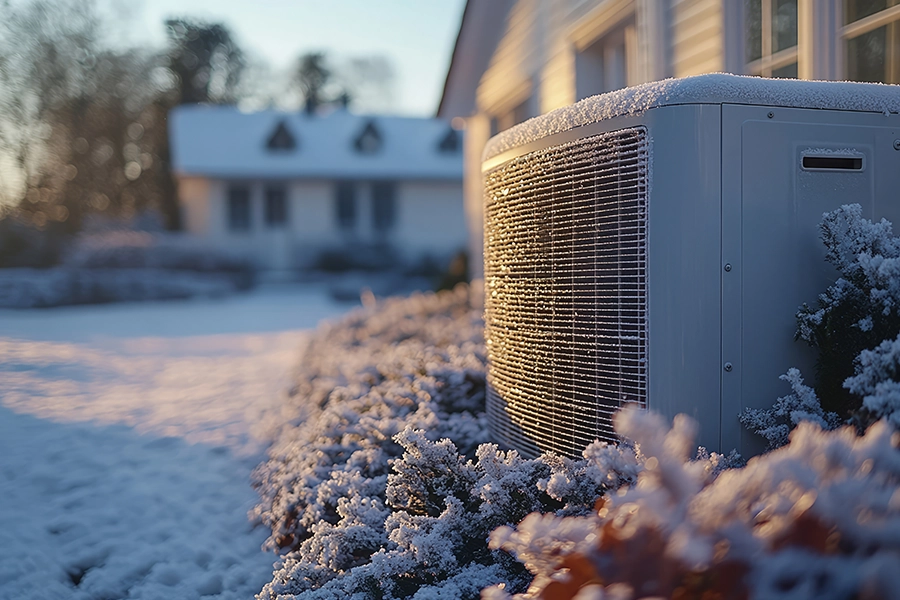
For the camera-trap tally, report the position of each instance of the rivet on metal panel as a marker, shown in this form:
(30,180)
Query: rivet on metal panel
(728,266)
(771,115)
(728,367)
(896,144)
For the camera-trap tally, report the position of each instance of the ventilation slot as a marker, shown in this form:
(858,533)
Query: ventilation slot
(566,285)
(833,163)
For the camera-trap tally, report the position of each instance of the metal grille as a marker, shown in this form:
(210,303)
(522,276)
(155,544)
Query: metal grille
(566,286)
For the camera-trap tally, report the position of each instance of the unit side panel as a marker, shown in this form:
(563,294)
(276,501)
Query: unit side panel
(731,281)
(781,205)
(684,252)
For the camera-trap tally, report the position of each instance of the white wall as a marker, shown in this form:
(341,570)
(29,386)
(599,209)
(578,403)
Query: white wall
(194,197)
(429,219)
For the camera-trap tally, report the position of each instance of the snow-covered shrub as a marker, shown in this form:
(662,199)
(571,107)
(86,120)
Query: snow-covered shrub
(128,249)
(126,266)
(860,310)
(774,424)
(61,286)
(380,484)
(818,518)
(877,381)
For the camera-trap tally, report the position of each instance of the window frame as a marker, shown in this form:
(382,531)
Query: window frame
(860,27)
(770,61)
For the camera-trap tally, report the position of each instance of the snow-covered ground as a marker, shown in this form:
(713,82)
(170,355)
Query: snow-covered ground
(127,435)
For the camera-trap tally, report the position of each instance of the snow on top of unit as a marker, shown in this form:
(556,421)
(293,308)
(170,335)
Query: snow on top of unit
(716,88)
(834,151)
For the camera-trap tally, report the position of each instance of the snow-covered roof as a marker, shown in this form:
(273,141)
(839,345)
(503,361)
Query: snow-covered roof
(223,142)
(716,88)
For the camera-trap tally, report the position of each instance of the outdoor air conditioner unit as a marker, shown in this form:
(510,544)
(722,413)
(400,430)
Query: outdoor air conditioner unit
(652,245)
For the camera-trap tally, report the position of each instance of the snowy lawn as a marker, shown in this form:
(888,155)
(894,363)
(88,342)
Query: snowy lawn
(127,436)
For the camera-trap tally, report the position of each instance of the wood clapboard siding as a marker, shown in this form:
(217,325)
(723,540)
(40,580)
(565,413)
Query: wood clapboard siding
(697,37)
(557,76)
(558,82)
(514,61)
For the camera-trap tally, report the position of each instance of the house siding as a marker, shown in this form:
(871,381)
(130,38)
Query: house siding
(517,58)
(430,220)
(312,215)
(697,37)
(194,193)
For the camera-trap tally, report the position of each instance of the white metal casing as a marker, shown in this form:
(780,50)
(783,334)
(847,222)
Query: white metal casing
(732,242)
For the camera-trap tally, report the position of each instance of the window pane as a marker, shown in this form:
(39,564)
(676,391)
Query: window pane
(276,206)
(345,205)
(753,10)
(875,56)
(787,72)
(784,24)
(383,206)
(854,10)
(867,56)
(239,208)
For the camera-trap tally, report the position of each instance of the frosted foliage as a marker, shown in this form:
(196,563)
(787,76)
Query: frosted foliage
(877,380)
(605,466)
(714,88)
(380,485)
(61,286)
(817,518)
(774,424)
(867,255)
(856,313)
(847,236)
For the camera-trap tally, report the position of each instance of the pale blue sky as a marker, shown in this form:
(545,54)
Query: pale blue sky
(416,35)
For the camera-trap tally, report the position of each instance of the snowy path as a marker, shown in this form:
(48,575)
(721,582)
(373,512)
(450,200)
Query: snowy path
(127,435)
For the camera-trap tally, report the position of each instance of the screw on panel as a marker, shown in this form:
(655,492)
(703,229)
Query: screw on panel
(728,266)
(771,115)
(896,144)
(728,367)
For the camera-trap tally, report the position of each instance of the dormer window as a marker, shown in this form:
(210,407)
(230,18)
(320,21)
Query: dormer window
(369,140)
(281,140)
(450,143)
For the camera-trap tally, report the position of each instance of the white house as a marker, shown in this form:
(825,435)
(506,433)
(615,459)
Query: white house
(284,188)
(516,59)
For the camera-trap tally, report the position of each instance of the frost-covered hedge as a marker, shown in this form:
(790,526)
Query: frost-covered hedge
(381,485)
(855,330)
(123,266)
(158,250)
(858,311)
(61,286)
(816,519)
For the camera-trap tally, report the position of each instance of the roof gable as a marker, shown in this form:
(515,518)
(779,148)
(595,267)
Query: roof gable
(281,139)
(369,140)
(451,142)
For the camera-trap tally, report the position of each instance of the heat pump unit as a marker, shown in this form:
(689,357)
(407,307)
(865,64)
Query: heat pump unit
(652,246)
